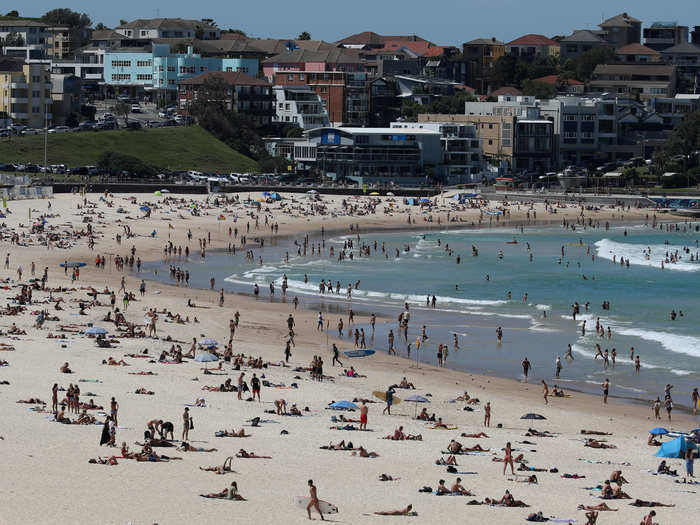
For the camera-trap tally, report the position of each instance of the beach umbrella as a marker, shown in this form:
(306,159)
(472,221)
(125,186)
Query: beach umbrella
(208,341)
(658,431)
(374,193)
(145,208)
(344,405)
(96,330)
(675,448)
(532,416)
(416,399)
(389,194)
(157,193)
(205,357)
(165,191)
(313,192)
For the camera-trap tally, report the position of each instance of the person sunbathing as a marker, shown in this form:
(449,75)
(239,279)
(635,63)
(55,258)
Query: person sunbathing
(507,501)
(529,479)
(475,448)
(362,452)
(250,455)
(32,401)
(531,432)
(142,373)
(517,459)
(125,452)
(642,503)
(439,424)
(664,469)
(455,447)
(616,477)
(84,419)
(458,489)
(104,461)
(592,517)
(600,507)
(220,469)
(596,433)
(442,489)
(65,369)
(594,443)
(294,410)
(232,433)
(113,362)
(186,447)
(386,477)
(653,442)
(524,467)
(479,435)
(228,493)
(402,512)
(144,391)
(406,384)
(451,460)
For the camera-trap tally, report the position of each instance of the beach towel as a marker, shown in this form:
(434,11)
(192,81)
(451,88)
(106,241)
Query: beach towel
(468,453)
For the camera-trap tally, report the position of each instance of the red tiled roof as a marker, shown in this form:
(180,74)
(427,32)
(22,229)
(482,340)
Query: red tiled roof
(533,40)
(232,78)
(420,48)
(636,49)
(554,79)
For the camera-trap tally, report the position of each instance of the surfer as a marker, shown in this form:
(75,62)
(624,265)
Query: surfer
(313,500)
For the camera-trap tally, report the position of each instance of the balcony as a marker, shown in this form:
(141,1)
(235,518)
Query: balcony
(19,85)
(19,116)
(19,100)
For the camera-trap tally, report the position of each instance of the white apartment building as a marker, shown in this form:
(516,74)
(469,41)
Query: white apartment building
(24,38)
(462,156)
(300,106)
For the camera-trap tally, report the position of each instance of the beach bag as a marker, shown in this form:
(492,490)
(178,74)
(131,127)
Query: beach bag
(191,424)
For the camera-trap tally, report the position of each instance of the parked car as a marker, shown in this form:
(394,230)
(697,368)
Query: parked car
(32,131)
(59,129)
(108,116)
(133,125)
(135,108)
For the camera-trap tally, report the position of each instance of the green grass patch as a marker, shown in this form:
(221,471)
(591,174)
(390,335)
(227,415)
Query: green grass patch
(174,148)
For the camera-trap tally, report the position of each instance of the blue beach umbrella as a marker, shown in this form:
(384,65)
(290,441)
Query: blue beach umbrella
(658,431)
(344,405)
(675,448)
(206,357)
(145,208)
(208,341)
(96,330)
(416,399)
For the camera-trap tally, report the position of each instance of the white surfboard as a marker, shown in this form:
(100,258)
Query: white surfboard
(326,508)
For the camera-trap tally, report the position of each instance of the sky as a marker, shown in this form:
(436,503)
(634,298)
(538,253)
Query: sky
(444,22)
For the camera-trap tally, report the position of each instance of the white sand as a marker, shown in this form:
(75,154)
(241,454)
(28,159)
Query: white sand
(47,478)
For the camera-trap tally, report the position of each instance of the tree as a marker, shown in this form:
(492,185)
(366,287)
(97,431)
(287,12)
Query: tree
(539,89)
(13,14)
(582,66)
(678,153)
(122,22)
(305,35)
(14,40)
(123,109)
(100,27)
(117,164)
(78,23)
(235,32)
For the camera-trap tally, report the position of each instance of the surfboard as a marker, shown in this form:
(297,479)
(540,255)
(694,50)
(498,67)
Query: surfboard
(326,508)
(382,396)
(358,353)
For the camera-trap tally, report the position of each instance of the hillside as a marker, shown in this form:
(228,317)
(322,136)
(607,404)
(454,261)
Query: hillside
(175,148)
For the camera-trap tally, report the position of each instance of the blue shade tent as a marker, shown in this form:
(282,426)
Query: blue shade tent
(145,208)
(344,405)
(96,330)
(417,399)
(675,448)
(411,201)
(206,357)
(208,341)
(275,196)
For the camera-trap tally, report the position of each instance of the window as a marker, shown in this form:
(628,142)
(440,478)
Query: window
(143,63)
(36,94)
(301,76)
(242,70)
(324,90)
(121,76)
(290,76)
(144,77)
(587,118)
(229,69)
(36,109)
(490,142)
(144,32)
(160,69)
(362,139)
(570,117)
(121,63)
(202,69)
(171,69)
(490,126)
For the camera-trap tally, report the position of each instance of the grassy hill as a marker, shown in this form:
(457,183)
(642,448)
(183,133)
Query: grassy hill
(175,148)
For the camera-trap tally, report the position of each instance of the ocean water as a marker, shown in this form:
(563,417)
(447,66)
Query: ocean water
(472,298)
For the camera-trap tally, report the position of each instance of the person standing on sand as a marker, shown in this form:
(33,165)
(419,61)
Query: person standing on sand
(335,356)
(389,394)
(606,390)
(557,364)
(694,397)
(364,410)
(186,424)
(240,385)
(545,392)
(114,408)
(313,500)
(508,460)
(657,408)
(526,368)
(54,398)
(487,414)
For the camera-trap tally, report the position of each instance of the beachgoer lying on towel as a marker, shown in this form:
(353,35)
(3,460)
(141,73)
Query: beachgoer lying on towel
(520,458)
(104,461)
(144,391)
(596,433)
(32,401)
(228,493)
(232,433)
(112,362)
(531,432)
(399,435)
(524,467)
(594,443)
(364,454)
(451,460)
(186,447)
(507,501)
(479,435)
(599,507)
(403,512)
(664,469)
(386,477)
(642,503)
(250,455)
(338,446)
(220,469)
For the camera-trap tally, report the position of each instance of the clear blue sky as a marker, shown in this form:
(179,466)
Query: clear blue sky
(448,22)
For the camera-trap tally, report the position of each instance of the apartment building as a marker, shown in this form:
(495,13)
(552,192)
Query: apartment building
(371,40)
(23,38)
(662,35)
(480,55)
(170,28)
(243,94)
(65,96)
(375,155)
(136,70)
(638,80)
(299,106)
(580,41)
(25,92)
(462,157)
(59,42)
(622,30)
(686,58)
(673,110)
(531,46)
(637,54)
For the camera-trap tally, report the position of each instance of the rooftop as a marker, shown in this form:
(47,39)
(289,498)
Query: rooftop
(11,64)
(20,22)
(165,23)
(106,34)
(507,90)
(621,20)
(420,47)
(684,48)
(371,38)
(582,35)
(533,40)
(231,78)
(638,69)
(484,42)
(334,55)
(554,80)
(636,49)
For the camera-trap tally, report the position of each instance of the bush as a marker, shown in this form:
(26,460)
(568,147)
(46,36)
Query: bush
(116,164)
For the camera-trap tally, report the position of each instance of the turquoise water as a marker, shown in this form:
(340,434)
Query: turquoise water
(472,306)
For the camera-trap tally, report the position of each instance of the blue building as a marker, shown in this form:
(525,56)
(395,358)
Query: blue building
(138,71)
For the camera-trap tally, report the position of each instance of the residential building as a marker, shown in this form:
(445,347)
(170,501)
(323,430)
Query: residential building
(66,96)
(462,158)
(637,54)
(370,40)
(695,36)
(641,80)
(170,28)
(662,35)
(384,104)
(673,110)
(580,41)
(563,85)
(530,46)
(25,92)
(480,55)
(23,38)
(299,106)
(375,155)
(243,94)
(622,30)
(424,90)
(686,58)
(59,43)
(136,71)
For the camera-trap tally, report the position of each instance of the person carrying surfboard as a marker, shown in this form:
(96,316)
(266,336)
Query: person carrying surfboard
(313,500)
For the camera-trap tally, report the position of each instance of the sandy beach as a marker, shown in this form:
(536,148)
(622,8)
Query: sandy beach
(48,477)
